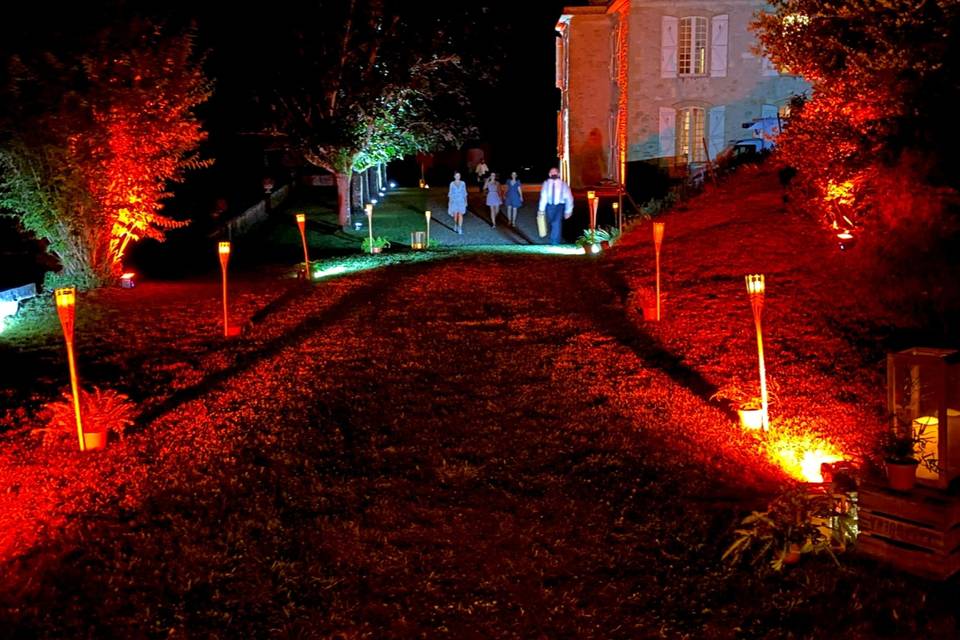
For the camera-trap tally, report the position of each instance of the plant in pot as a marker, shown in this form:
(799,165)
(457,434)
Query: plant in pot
(377,246)
(798,521)
(746,401)
(592,240)
(647,301)
(101,412)
(902,451)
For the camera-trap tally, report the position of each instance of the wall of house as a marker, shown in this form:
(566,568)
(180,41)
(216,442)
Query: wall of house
(589,97)
(743,87)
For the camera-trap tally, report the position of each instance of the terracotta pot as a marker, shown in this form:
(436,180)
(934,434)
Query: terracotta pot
(94,439)
(792,556)
(751,418)
(902,476)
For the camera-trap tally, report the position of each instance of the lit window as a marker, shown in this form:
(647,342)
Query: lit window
(691,134)
(692,47)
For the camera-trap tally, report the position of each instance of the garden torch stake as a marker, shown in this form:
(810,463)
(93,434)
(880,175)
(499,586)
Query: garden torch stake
(657,241)
(426,214)
(302,223)
(369,210)
(66,306)
(755,289)
(593,202)
(224,251)
(616,215)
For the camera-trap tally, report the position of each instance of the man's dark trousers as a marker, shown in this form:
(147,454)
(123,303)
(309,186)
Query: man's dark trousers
(554,214)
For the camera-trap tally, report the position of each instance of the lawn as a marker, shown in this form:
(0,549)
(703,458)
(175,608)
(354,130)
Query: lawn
(465,443)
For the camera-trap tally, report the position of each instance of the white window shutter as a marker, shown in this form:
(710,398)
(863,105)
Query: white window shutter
(668,47)
(767,68)
(668,132)
(717,135)
(718,46)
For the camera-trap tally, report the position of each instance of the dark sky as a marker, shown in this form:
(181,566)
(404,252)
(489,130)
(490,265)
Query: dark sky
(517,117)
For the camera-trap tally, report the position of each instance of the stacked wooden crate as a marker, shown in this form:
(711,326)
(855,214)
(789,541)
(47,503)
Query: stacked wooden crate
(917,531)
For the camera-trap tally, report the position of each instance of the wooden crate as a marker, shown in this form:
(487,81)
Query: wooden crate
(918,532)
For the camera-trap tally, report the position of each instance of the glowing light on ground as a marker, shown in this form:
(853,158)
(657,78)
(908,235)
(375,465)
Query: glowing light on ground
(800,455)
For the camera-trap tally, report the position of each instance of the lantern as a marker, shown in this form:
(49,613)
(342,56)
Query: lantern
(369,211)
(302,225)
(66,298)
(223,250)
(923,394)
(418,240)
(427,215)
(593,202)
(755,290)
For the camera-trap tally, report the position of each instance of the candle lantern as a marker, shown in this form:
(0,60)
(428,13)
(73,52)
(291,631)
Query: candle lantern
(66,298)
(756,288)
(418,240)
(593,202)
(923,395)
(302,225)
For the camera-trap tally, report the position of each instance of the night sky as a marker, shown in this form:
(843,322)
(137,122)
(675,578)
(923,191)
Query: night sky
(517,117)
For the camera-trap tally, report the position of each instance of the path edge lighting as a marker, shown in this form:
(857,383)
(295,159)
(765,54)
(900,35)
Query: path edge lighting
(368,209)
(302,225)
(756,287)
(427,215)
(657,241)
(223,250)
(593,201)
(66,298)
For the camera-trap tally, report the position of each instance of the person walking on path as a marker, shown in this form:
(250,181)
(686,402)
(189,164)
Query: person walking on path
(514,199)
(457,202)
(492,187)
(556,201)
(482,171)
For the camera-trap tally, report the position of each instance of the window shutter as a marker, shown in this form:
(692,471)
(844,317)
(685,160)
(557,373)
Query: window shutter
(717,131)
(668,47)
(718,46)
(668,132)
(767,68)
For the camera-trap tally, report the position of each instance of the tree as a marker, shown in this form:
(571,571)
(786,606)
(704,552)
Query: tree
(363,82)
(882,91)
(92,144)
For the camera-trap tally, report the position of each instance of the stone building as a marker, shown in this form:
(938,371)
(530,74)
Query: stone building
(668,82)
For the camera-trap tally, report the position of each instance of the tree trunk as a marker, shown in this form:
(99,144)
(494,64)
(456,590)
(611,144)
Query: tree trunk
(343,198)
(356,189)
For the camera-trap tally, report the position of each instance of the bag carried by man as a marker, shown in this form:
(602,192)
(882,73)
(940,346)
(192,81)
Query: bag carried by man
(542,225)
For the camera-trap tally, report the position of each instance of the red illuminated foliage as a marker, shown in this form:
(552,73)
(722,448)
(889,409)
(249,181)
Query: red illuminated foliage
(881,89)
(94,141)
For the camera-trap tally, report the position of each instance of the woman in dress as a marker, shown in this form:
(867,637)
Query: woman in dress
(492,187)
(457,202)
(514,199)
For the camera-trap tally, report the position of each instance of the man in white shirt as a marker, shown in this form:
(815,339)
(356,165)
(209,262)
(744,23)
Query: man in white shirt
(481,171)
(556,201)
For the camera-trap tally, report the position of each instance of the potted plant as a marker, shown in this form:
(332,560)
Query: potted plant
(379,244)
(797,522)
(902,452)
(592,240)
(745,402)
(647,298)
(101,412)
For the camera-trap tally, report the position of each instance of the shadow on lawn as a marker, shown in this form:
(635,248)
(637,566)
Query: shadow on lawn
(253,353)
(615,321)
